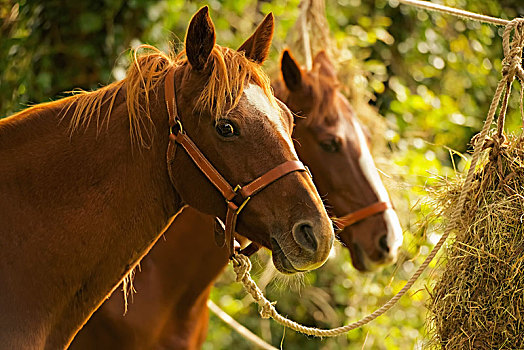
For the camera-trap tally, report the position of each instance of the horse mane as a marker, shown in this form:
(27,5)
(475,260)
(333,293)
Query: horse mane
(229,71)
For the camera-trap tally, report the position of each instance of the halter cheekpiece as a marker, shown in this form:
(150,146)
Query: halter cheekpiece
(236,197)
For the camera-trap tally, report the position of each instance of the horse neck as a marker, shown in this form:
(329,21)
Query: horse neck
(184,268)
(172,284)
(82,207)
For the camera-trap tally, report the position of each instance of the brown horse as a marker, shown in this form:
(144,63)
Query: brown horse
(169,310)
(86,189)
(332,143)
(172,286)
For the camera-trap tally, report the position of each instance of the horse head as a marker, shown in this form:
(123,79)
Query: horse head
(226,106)
(331,142)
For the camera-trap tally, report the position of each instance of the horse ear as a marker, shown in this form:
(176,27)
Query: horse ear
(290,72)
(324,64)
(200,38)
(257,45)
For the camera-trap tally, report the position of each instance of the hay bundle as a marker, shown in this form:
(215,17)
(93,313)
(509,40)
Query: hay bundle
(478,301)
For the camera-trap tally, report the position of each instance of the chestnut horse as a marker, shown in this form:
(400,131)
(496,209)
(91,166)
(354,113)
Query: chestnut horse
(86,189)
(333,145)
(169,309)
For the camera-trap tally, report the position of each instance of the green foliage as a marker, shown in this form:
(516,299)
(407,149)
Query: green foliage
(432,77)
(55,46)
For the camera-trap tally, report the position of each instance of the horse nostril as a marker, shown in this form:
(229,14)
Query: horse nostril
(305,237)
(383,243)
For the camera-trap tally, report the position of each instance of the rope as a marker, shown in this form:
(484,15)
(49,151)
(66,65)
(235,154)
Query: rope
(512,67)
(503,109)
(238,327)
(313,31)
(305,33)
(455,12)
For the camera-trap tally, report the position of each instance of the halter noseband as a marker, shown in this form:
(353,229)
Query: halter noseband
(359,215)
(237,197)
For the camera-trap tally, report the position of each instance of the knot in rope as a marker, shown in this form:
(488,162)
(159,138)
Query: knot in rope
(496,144)
(241,266)
(512,62)
(512,67)
(267,310)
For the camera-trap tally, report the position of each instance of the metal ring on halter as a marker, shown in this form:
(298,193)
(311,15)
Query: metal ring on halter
(179,125)
(241,206)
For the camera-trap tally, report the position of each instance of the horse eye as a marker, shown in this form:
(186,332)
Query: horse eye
(226,128)
(331,146)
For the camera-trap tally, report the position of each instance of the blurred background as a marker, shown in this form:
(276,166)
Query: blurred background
(428,77)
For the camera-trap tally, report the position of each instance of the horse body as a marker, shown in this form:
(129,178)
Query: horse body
(65,252)
(169,309)
(86,189)
(330,133)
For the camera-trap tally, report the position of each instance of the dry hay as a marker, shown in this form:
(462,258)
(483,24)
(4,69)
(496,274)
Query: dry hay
(478,300)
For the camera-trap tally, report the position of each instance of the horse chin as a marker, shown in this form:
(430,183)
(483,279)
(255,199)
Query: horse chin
(360,260)
(280,260)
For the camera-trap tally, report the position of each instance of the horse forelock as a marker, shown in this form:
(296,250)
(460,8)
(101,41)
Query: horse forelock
(229,72)
(325,93)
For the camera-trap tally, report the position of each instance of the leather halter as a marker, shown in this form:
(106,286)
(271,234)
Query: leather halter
(359,215)
(236,197)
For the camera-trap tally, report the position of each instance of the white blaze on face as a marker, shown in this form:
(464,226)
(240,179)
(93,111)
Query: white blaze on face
(258,99)
(394,236)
